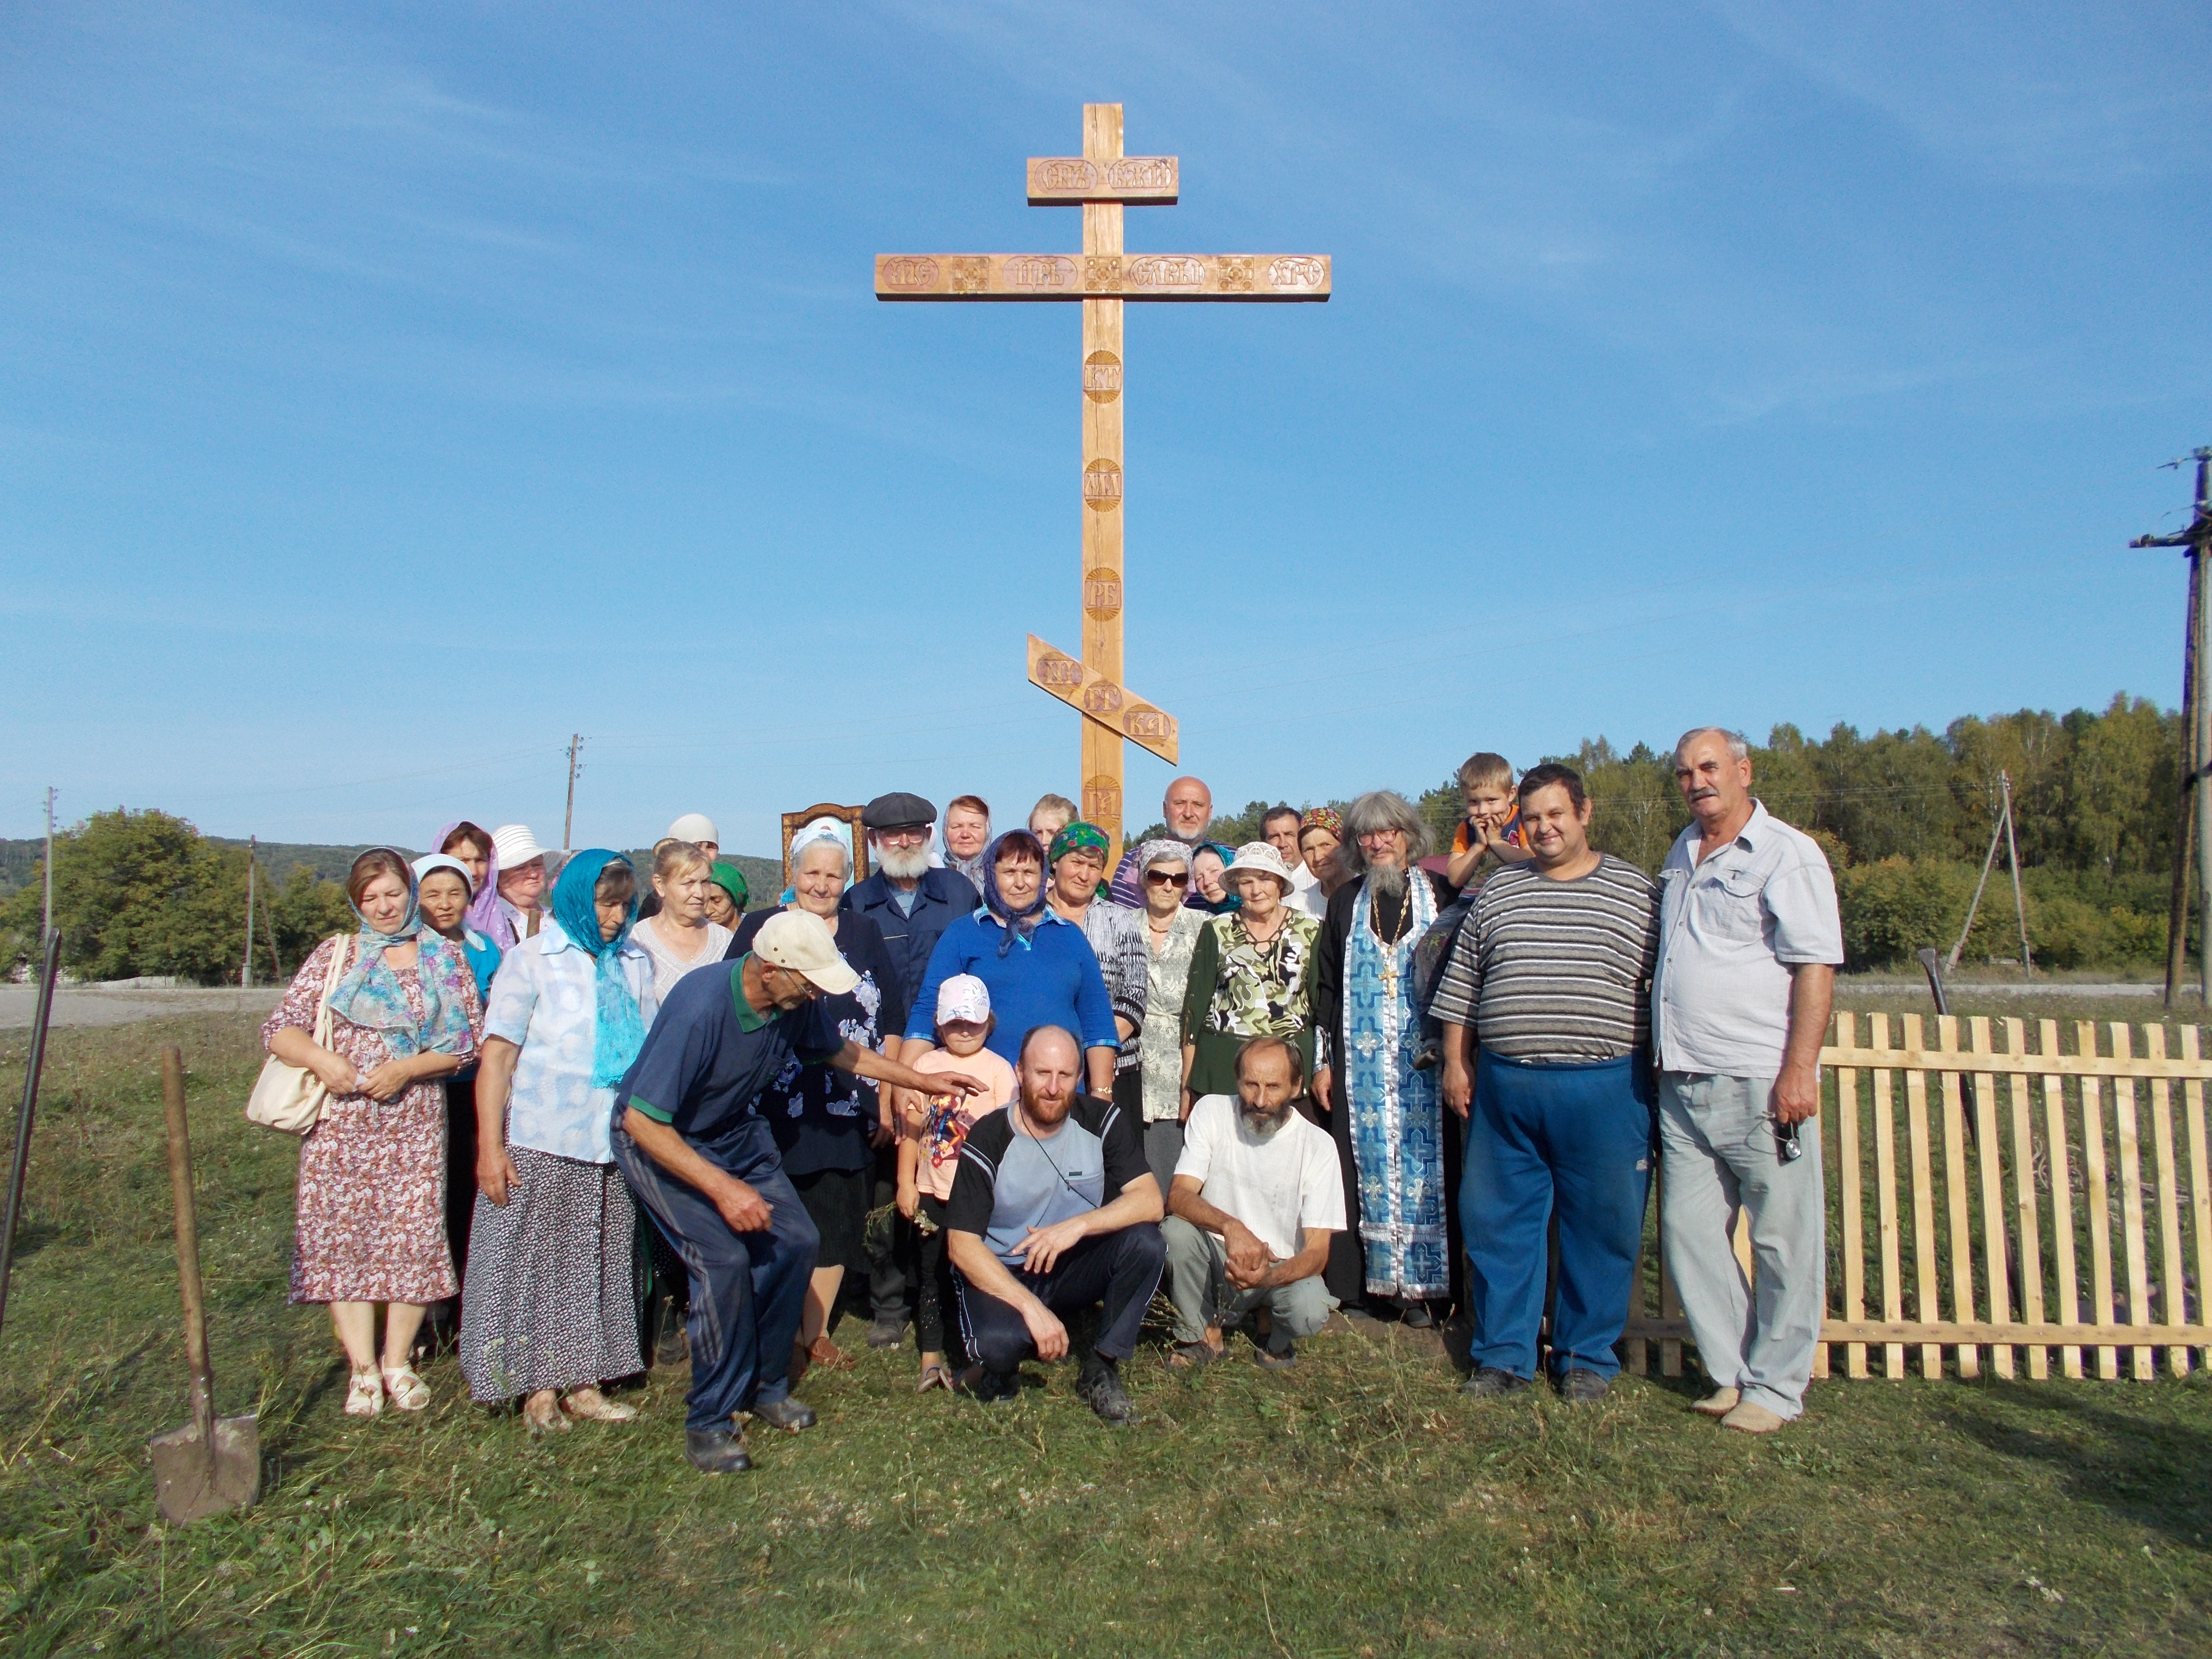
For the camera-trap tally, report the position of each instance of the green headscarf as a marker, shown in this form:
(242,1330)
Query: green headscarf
(732,880)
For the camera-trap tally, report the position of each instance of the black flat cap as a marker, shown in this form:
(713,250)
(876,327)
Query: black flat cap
(891,811)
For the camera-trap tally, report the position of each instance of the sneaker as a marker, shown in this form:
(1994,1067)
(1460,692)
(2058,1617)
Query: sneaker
(1719,1403)
(716,1450)
(1581,1387)
(1489,1382)
(987,1386)
(887,1330)
(785,1413)
(1100,1388)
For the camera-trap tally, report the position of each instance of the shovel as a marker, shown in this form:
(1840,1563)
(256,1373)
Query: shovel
(205,1466)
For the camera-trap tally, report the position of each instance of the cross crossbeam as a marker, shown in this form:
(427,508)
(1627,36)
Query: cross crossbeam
(1103,181)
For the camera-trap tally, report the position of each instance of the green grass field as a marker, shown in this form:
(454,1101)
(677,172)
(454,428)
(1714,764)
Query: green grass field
(1356,1507)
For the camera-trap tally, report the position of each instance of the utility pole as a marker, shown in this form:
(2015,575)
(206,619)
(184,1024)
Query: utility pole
(252,862)
(569,819)
(2196,723)
(46,932)
(2177,908)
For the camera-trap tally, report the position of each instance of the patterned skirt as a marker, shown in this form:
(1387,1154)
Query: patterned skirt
(553,1282)
(371,1223)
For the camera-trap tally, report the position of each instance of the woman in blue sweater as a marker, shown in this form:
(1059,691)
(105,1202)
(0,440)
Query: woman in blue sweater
(1039,967)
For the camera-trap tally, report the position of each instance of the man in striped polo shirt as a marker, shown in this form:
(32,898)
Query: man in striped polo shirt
(1550,975)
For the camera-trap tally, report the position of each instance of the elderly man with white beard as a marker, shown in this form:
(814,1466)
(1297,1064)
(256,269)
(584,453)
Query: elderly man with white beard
(911,905)
(1384,1111)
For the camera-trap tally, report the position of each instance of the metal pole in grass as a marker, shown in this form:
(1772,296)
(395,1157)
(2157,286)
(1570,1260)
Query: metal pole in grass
(2198,539)
(35,1063)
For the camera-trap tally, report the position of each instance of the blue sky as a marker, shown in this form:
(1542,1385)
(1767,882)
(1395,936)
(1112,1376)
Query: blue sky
(386,391)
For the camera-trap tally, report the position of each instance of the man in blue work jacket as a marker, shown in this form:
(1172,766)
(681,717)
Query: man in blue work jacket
(912,904)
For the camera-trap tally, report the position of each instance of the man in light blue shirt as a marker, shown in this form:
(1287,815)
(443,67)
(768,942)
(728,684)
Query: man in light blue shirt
(1749,942)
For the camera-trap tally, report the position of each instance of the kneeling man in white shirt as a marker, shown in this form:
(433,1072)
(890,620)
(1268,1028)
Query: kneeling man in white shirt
(1258,1193)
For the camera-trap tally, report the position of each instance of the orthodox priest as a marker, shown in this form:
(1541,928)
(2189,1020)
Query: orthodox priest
(1397,1257)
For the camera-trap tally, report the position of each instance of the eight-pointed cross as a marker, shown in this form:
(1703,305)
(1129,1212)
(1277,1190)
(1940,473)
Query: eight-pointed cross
(1102,181)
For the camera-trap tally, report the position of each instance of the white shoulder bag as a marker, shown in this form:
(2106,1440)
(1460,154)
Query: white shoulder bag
(291,1097)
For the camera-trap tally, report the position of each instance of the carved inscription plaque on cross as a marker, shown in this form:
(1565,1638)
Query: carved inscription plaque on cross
(1103,181)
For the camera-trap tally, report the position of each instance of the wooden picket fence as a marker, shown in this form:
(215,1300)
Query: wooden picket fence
(2052,1142)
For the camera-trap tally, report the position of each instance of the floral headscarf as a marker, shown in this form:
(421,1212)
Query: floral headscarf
(369,994)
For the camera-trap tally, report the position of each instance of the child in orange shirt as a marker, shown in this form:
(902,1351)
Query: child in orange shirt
(930,1139)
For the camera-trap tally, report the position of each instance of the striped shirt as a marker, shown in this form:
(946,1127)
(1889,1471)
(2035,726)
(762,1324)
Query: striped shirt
(1556,970)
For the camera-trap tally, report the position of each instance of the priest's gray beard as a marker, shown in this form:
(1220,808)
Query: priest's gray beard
(903,863)
(1386,881)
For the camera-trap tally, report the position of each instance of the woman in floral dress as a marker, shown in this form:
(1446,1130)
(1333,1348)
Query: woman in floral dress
(371,1226)
(1252,975)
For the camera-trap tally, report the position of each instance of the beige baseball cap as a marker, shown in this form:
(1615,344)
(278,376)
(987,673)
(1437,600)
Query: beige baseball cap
(801,941)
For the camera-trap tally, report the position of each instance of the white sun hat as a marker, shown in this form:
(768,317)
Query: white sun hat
(1260,856)
(515,846)
(695,827)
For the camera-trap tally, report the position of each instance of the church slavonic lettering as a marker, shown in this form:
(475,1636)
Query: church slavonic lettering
(1038,271)
(1055,670)
(1296,270)
(1102,486)
(909,274)
(1167,271)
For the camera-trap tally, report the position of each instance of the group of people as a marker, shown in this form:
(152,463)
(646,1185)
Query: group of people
(996,1086)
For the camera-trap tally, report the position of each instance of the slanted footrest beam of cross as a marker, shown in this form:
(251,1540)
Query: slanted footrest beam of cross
(1103,182)
(1116,707)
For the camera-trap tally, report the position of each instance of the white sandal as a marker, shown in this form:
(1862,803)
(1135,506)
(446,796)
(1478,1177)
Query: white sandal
(597,1408)
(409,1392)
(364,1393)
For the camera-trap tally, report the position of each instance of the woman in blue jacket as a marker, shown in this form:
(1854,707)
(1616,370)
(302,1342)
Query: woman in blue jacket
(1039,967)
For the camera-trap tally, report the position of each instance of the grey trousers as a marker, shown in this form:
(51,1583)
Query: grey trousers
(1720,1153)
(1162,1149)
(1198,1285)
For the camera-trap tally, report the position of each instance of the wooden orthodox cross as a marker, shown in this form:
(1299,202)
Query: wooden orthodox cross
(1102,181)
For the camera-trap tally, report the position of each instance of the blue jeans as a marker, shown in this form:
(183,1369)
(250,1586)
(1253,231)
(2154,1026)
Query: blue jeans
(1573,1141)
(748,1290)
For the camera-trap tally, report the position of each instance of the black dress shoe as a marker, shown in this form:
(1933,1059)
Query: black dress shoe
(1490,1382)
(716,1451)
(784,1413)
(887,1330)
(1578,1387)
(1100,1388)
(988,1386)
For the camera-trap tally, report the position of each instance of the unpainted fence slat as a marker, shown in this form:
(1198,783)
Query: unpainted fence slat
(2101,1204)
(1954,1194)
(2131,1204)
(2062,1195)
(2200,1179)
(1854,1216)
(1989,1165)
(1923,1201)
(1885,1151)
(2171,1292)
(2027,1224)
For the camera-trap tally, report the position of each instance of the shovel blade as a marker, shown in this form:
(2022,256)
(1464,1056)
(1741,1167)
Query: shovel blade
(192,1482)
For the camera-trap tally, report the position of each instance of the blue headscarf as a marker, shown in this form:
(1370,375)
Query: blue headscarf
(369,994)
(1019,924)
(618,1032)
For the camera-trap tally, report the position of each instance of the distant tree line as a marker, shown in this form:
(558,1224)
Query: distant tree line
(1904,816)
(144,893)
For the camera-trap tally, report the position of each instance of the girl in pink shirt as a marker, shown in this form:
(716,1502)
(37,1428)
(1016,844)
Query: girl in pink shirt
(931,1128)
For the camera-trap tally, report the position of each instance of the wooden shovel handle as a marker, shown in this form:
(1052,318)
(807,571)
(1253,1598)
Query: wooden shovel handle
(188,1246)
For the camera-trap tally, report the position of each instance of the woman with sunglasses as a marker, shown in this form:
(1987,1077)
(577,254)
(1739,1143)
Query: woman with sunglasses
(1170,934)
